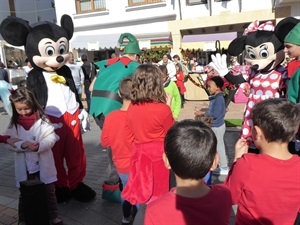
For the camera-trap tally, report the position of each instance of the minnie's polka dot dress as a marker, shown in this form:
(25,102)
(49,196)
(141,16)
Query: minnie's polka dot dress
(262,86)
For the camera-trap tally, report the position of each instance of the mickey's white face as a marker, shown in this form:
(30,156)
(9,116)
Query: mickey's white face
(263,56)
(53,54)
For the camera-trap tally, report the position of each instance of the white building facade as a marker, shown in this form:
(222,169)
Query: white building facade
(173,24)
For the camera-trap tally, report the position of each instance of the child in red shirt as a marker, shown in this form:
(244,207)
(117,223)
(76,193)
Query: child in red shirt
(114,136)
(265,186)
(190,151)
(180,82)
(148,119)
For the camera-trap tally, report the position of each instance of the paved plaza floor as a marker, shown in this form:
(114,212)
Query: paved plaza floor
(98,211)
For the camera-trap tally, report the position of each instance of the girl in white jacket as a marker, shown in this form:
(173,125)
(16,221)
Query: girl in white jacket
(33,155)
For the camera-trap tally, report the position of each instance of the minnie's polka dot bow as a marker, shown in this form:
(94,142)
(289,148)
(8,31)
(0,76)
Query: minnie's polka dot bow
(254,26)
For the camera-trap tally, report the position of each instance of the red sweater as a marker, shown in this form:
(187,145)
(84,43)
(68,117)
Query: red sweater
(4,138)
(266,189)
(149,122)
(172,209)
(114,135)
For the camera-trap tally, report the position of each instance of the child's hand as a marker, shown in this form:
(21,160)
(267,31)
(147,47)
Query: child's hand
(198,112)
(241,147)
(32,146)
(12,141)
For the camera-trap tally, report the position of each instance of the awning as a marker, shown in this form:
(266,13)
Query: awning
(110,41)
(95,42)
(2,43)
(157,40)
(207,42)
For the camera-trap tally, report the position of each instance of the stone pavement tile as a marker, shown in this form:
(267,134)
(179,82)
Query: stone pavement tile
(99,210)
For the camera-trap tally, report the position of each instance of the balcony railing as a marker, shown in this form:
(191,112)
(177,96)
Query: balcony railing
(142,2)
(85,6)
(196,2)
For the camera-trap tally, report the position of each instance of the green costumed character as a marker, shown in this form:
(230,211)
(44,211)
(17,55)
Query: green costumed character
(105,96)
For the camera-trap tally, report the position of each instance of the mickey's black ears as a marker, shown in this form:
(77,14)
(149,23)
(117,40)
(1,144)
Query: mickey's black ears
(14,30)
(237,46)
(285,26)
(67,24)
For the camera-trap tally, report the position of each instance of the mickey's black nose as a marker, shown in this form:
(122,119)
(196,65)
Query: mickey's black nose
(59,59)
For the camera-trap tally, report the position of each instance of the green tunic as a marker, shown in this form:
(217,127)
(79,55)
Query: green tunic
(105,91)
(294,87)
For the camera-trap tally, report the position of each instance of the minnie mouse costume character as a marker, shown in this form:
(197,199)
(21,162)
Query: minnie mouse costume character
(266,77)
(46,46)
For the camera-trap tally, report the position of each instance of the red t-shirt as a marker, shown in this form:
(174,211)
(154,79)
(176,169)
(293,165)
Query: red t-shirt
(114,135)
(149,122)
(266,189)
(172,209)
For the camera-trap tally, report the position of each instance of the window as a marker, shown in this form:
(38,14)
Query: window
(84,6)
(196,2)
(142,2)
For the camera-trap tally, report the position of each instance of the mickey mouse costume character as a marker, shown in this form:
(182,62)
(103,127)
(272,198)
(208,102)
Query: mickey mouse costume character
(266,77)
(47,45)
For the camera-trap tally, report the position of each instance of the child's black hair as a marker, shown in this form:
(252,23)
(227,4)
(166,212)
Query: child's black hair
(190,147)
(278,119)
(125,87)
(218,81)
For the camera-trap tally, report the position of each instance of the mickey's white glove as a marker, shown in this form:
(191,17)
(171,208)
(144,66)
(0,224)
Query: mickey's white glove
(219,64)
(85,120)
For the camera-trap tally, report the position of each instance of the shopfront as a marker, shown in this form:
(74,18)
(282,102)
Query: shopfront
(12,56)
(152,45)
(201,47)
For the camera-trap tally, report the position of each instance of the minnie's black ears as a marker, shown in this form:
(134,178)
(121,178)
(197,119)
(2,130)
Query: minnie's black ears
(285,26)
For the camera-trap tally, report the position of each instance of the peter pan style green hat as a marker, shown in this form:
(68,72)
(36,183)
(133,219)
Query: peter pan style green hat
(288,30)
(133,45)
(294,35)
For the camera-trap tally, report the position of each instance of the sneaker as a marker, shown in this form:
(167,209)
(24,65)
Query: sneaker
(221,171)
(127,220)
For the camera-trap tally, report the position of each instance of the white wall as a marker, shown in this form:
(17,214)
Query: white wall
(117,12)
(118,18)
(217,8)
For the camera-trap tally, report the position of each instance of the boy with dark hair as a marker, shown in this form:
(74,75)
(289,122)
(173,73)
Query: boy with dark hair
(265,186)
(217,110)
(114,135)
(190,151)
